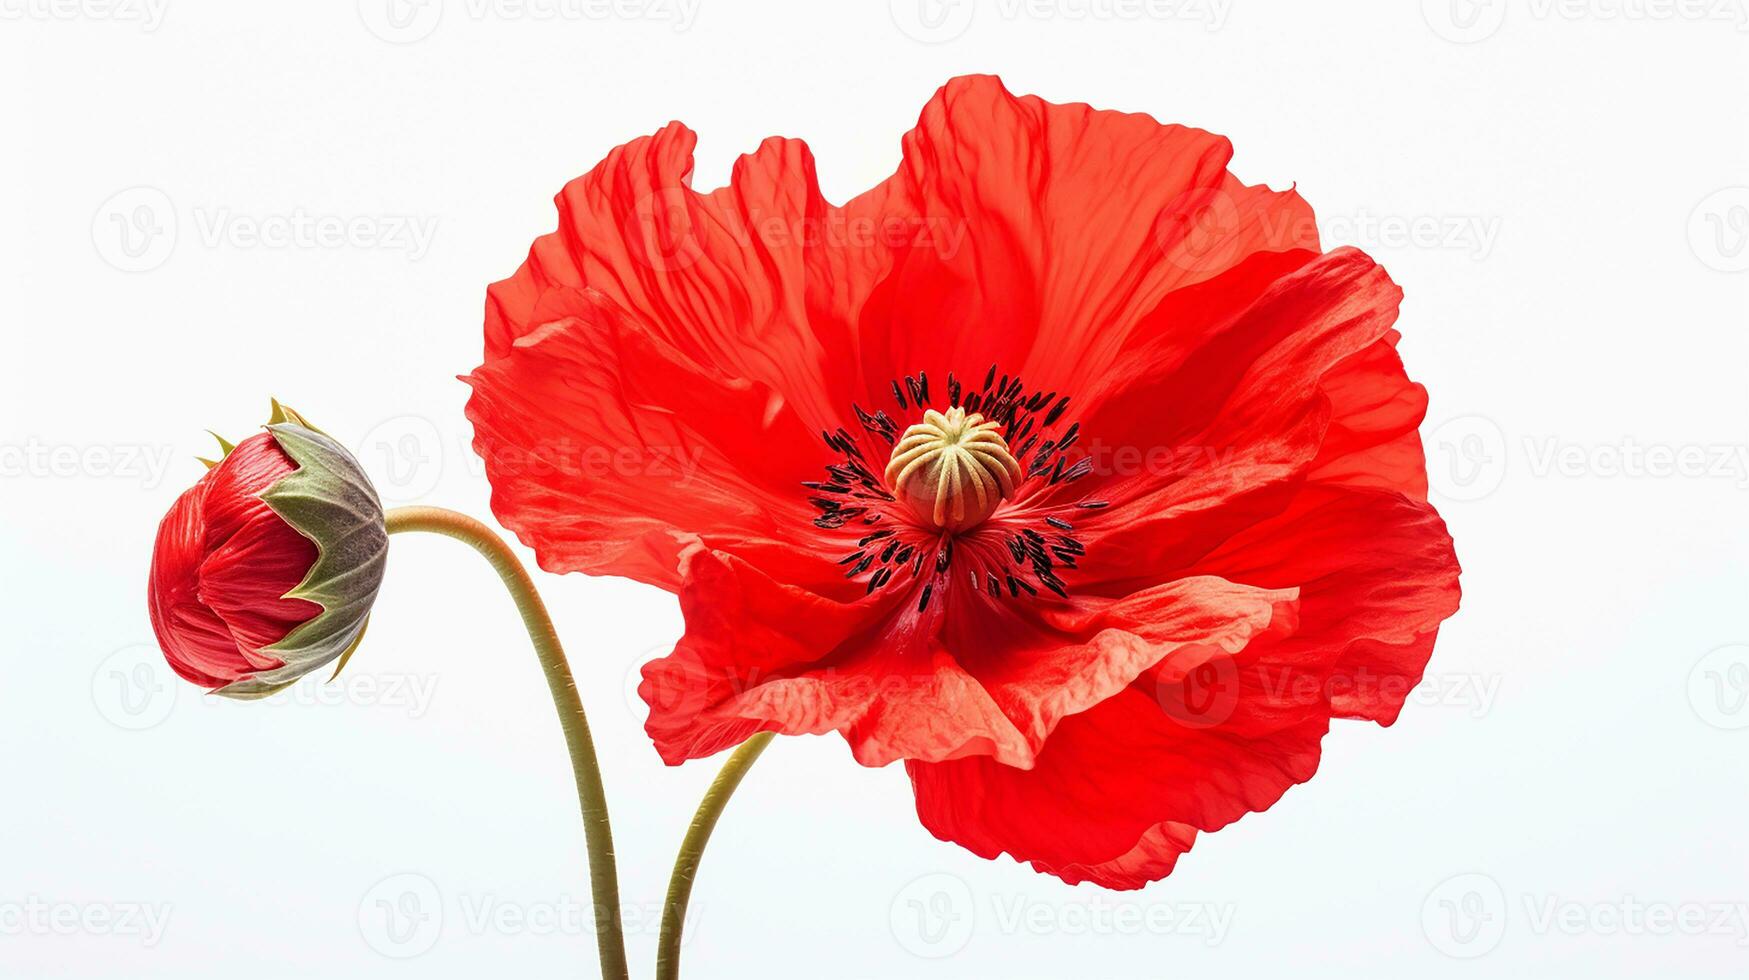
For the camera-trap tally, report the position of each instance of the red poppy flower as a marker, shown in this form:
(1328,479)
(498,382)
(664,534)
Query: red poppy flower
(266,569)
(1062,465)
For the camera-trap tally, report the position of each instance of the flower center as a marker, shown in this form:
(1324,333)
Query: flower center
(956,511)
(953,469)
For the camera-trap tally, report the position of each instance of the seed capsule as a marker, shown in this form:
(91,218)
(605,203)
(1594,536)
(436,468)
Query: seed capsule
(953,469)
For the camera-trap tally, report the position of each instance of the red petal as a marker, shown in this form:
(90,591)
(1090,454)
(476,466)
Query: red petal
(1039,669)
(759,655)
(749,279)
(1106,778)
(1201,742)
(610,451)
(1375,412)
(195,641)
(1153,858)
(1238,419)
(744,631)
(1044,233)
(1377,575)
(222,566)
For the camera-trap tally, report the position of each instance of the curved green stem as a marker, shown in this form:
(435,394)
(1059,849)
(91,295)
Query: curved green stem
(603,875)
(692,850)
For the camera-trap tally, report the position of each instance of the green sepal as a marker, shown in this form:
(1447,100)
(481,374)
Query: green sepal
(282,414)
(340,665)
(329,500)
(225,448)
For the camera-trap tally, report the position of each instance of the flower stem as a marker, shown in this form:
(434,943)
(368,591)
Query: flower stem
(603,875)
(692,850)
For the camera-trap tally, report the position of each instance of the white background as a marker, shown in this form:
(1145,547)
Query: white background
(1560,189)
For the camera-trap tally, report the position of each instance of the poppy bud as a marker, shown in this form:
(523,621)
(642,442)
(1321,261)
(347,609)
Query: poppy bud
(266,569)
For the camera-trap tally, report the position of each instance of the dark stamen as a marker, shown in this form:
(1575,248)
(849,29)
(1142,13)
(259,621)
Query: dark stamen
(849,443)
(1053,583)
(1057,411)
(878,579)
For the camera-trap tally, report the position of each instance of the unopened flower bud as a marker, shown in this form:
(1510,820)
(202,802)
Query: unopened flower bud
(267,568)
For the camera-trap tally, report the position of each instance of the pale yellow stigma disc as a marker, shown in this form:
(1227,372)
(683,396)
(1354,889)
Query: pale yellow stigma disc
(953,469)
